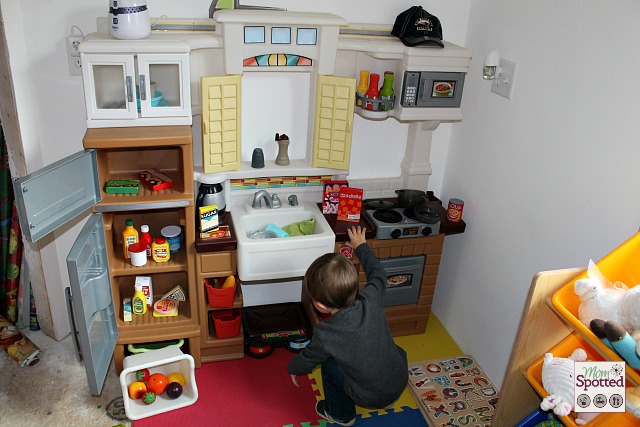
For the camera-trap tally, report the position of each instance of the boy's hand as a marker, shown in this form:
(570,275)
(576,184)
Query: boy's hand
(356,236)
(295,380)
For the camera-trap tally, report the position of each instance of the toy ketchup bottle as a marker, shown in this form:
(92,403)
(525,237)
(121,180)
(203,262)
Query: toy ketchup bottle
(145,239)
(139,300)
(129,236)
(362,86)
(372,92)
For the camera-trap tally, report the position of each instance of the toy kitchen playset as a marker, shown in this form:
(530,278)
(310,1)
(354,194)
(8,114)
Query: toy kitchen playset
(172,103)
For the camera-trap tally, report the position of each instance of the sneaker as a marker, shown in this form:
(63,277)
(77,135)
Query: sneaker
(320,410)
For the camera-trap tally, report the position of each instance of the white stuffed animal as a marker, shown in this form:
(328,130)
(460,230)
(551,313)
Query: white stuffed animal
(601,299)
(558,381)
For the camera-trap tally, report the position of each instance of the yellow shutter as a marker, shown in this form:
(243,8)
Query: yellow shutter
(335,100)
(221,123)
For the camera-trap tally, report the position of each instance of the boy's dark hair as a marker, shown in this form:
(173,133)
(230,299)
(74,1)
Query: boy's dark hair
(332,280)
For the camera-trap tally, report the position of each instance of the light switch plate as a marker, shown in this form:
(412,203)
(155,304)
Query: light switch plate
(504,84)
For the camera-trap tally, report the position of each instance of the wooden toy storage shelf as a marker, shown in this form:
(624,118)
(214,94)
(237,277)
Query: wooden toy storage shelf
(541,328)
(121,154)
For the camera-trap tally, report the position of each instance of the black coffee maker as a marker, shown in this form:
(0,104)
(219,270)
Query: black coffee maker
(211,194)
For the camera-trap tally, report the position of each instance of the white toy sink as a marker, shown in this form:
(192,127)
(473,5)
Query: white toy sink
(264,258)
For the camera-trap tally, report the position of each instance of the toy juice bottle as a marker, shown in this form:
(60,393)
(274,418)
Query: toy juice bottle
(386,91)
(129,236)
(145,238)
(372,92)
(160,250)
(139,300)
(362,86)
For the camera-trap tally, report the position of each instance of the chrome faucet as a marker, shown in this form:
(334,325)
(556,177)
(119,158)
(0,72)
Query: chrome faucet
(272,202)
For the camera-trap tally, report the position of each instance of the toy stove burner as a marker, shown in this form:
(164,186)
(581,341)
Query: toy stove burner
(397,224)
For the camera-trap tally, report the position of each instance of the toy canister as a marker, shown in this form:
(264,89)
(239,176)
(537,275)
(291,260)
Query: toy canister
(454,211)
(172,234)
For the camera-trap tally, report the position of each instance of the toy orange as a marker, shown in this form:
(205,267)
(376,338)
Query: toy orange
(157,383)
(137,389)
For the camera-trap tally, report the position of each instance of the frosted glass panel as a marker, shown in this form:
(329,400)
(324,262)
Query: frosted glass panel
(254,34)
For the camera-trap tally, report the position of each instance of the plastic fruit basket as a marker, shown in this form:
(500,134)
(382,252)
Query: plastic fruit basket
(622,264)
(564,349)
(164,361)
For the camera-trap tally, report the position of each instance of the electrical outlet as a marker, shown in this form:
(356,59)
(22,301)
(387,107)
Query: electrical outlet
(73,55)
(504,83)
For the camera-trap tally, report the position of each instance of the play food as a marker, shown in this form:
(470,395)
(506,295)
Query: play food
(137,389)
(229,282)
(176,377)
(157,383)
(148,398)
(174,390)
(142,375)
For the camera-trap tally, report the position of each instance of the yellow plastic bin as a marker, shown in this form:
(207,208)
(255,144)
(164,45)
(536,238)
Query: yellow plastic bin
(164,361)
(622,264)
(564,349)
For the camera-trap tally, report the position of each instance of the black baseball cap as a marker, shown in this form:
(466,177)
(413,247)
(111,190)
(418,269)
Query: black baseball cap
(415,26)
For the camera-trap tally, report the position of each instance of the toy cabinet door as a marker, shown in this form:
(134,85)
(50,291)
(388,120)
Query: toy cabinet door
(90,303)
(56,194)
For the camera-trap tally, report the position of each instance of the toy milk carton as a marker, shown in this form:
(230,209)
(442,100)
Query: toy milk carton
(147,288)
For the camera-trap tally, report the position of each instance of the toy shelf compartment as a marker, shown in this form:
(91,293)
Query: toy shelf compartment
(564,349)
(124,152)
(622,265)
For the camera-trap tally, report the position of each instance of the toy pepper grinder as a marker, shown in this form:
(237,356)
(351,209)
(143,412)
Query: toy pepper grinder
(283,146)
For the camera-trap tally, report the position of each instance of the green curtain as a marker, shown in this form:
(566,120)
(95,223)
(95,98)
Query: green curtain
(10,240)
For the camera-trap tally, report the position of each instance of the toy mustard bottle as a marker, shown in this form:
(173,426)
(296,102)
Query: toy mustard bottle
(363,85)
(139,300)
(129,236)
(145,238)
(160,250)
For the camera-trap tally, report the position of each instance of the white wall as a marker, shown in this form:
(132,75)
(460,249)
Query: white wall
(549,178)
(51,103)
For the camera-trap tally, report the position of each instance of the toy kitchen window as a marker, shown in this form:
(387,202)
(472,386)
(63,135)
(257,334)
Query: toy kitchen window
(280,35)
(404,278)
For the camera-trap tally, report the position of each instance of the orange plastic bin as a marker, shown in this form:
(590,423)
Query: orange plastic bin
(623,265)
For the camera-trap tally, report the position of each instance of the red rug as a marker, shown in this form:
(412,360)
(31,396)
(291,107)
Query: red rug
(247,392)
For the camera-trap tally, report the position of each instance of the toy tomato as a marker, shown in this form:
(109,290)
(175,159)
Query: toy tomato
(148,398)
(142,375)
(157,383)
(137,389)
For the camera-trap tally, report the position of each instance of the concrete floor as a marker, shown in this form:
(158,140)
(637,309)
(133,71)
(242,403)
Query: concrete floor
(54,392)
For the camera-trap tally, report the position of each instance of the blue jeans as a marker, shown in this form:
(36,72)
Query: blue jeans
(337,403)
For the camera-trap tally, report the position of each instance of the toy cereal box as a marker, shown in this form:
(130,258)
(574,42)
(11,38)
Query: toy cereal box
(331,196)
(350,204)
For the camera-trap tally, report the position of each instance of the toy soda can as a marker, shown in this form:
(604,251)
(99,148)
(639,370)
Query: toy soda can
(454,211)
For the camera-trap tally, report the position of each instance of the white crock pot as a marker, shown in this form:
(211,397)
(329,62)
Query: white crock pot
(129,19)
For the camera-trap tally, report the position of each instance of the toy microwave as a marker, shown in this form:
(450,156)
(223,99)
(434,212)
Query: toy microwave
(432,89)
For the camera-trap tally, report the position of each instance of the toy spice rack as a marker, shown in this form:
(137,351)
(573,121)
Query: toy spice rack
(372,102)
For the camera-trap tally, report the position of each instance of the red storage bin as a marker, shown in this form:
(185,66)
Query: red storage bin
(226,322)
(222,298)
